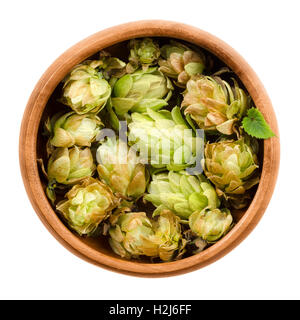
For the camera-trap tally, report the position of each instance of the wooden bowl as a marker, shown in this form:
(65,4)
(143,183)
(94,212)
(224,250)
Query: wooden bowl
(42,103)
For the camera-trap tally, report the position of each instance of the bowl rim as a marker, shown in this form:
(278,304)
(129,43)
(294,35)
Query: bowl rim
(81,51)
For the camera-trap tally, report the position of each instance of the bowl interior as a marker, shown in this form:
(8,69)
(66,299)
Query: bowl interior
(53,105)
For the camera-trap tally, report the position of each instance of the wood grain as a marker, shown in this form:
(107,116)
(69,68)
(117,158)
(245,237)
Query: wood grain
(97,252)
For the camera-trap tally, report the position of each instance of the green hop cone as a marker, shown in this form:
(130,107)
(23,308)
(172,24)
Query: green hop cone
(143,53)
(132,236)
(87,205)
(210,224)
(213,104)
(73,129)
(231,166)
(119,167)
(141,90)
(135,235)
(180,62)
(164,140)
(85,90)
(181,193)
(69,166)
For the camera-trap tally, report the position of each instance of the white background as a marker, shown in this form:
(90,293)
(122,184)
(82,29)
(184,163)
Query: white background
(33,265)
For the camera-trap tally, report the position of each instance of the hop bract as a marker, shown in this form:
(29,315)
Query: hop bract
(231,166)
(164,140)
(180,62)
(69,166)
(87,204)
(74,129)
(210,224)
(119,167)
(135,235)
(143,53)
(141,90)
(85,90)
(181,193)
(213,104)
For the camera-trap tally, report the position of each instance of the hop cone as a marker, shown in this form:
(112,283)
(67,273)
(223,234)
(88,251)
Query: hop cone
(143,53)
(119,167)
(132,236)
(180,62)
(73,129)
(135,235)
(141,90)
(213,104)
(69,166)
(164,140)
(231,166)
(210,224)
(181,193)
(85,90)
(87,205)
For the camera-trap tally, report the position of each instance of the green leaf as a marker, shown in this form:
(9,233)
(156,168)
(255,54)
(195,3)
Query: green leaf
(256,126)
